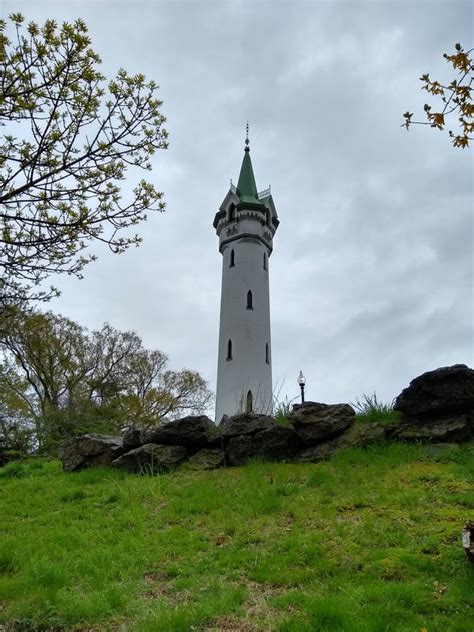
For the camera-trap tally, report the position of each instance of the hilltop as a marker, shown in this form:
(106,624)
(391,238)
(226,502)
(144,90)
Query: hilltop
(365,542)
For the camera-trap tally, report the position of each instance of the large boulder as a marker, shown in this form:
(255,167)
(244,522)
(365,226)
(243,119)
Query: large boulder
(437,406)
(88,450)
(275,443)
(192,432)
(151,459)
(245,424)
(358,435)
(449,389)
(315,422)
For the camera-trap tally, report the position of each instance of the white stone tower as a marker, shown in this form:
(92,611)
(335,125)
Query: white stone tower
(245,224)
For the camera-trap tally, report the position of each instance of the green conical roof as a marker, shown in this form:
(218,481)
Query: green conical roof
(246,185)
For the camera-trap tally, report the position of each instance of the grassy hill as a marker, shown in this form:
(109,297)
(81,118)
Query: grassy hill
(367,542)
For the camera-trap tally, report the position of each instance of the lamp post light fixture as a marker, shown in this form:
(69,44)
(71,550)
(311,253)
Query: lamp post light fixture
(302,382)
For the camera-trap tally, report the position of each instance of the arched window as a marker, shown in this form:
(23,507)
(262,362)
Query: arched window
(249,300)
(267,353)
(264,260)
(229,349)
(232,258)
(249,402)
(231,212)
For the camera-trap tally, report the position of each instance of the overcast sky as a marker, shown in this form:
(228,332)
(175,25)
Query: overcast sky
(371,276)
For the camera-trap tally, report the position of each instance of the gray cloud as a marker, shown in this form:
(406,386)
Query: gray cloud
(372,273)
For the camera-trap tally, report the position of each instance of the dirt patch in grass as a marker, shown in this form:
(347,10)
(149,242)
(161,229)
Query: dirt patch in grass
(158,586)
(232,623)
(259,614)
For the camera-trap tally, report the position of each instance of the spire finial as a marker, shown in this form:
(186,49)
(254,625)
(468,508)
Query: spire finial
(247,148)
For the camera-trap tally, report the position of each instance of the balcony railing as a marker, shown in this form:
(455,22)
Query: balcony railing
(264,193)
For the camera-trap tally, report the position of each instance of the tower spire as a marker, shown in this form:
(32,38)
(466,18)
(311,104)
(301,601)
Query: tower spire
(246,184)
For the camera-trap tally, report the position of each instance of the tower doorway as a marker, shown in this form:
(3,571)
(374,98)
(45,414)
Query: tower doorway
(249,407)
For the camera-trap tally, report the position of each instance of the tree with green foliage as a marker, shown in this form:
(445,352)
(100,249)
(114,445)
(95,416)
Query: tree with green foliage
(456,98)
(64,381)
(16,426)
(70,141)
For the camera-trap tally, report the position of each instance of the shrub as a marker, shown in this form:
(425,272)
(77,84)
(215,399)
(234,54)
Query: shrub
(371,410)
(281,410)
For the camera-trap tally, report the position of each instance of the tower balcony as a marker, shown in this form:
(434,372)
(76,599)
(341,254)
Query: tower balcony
(260,195)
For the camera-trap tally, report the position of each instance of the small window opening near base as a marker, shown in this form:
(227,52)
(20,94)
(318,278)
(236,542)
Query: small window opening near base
(249,300)
(267,353)
(229,350)
(249,406)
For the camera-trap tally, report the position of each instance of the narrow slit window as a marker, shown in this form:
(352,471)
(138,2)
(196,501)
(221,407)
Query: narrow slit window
(229,349)
(264,260)
(249,300)
(249,407)
(231,212)
(232,258)
(267,353)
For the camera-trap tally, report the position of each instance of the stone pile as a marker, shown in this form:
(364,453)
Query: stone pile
(437,407)
(313,432)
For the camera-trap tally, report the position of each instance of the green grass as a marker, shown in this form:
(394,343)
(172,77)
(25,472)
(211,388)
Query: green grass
(370,410)
(368,542)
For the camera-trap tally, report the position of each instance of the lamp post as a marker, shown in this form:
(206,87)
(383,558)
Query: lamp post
(302,382)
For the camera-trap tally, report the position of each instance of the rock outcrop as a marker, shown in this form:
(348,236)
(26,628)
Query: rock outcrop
(245,424)
(437,406)
(90,449)
(315,422)
(446,390)
(151,459)
(276,443)
(192,432)
(206,459)
(447,429)
(357,436)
